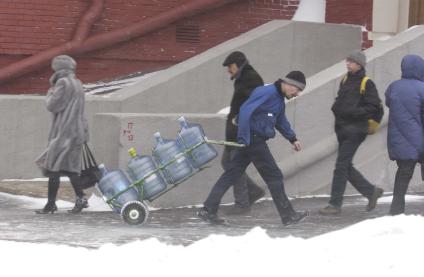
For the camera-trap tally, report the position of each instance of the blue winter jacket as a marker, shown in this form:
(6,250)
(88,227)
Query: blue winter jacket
(262,112)
(405,99)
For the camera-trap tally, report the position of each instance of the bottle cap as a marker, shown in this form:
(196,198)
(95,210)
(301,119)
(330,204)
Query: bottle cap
(182,121)
(132,152)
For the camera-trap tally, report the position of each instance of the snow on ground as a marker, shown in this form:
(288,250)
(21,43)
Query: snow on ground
(311,11)
(379,247)
(43,179)
(96,203)
(388,199)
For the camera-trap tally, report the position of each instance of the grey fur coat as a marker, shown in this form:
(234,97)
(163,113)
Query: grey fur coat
(69,128)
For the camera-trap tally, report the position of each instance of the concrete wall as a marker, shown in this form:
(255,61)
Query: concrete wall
(307,172)
(316,124)
(389,18)
(273,48)
(25,128)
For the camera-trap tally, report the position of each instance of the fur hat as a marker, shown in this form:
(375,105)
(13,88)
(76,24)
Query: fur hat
(358,57)
(296,78)
(63,62)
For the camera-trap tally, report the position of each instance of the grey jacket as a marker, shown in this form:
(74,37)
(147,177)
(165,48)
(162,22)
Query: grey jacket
(69,128)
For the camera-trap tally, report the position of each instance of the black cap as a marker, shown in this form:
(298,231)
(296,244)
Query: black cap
(237,57)
(296,78)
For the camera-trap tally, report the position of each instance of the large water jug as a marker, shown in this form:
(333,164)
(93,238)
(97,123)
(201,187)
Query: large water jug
(192,134)
(165,151)
(140,166)
(114,182)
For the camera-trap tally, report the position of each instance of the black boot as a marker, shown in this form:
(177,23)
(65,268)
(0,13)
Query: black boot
(50,207)
(80,204)
(207,216)
(294,218)
(372,201)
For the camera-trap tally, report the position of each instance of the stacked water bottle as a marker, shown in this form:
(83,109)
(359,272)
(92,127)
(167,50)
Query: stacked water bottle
(173,161)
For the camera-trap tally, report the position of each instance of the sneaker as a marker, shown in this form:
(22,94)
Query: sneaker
(294,218)
(238,210)
(256,196)
(372,201)
(206,216)
(330,210)
(80,204)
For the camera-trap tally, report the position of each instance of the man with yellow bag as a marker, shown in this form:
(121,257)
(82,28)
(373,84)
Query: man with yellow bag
(358,111)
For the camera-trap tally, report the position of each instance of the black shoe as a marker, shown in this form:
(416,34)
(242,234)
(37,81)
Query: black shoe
(204,215)
(253,197)
(80,204)
(330,210)
(294,218)
(372,201)
(50,207)
(238,210)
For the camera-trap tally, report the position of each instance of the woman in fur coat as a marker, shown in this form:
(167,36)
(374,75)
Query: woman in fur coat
(68,132)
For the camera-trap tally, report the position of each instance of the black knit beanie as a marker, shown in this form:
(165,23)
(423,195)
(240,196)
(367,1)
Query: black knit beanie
(296,78)
(237,57)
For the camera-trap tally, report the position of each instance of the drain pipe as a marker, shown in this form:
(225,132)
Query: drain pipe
(88,19)
(43,58)
(81,45)
(146,26)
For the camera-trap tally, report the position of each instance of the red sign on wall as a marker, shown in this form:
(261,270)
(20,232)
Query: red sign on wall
(128,131)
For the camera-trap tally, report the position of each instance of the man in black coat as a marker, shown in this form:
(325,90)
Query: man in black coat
(246,79)
(353,108)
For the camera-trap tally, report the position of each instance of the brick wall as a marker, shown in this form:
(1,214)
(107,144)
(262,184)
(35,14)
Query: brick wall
(357,12)
(27,27)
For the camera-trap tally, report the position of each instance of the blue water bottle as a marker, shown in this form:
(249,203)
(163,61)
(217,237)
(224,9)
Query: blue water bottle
(141,166)
(114,182)
(190,135)
(169,153)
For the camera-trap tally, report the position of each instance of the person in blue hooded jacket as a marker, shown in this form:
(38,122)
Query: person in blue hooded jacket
(405,136)
(260,115)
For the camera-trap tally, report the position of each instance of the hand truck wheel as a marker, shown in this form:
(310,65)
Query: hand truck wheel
(134,212)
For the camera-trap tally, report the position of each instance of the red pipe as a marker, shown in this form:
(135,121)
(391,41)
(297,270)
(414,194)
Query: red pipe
(88,19)
(151,24)
(104,40)
(43,58)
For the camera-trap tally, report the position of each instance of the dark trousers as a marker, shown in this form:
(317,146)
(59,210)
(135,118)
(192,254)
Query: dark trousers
(244,188)
(402,179)
(54,181)
(258,153)
(344,171)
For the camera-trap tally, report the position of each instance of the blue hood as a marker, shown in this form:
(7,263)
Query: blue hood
(413,67)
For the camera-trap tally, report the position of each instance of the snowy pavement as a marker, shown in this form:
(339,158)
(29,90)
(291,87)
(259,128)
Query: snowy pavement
(175,243)
(97,225)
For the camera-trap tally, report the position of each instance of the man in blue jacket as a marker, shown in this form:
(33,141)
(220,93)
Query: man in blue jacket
(260,115)
(405,136)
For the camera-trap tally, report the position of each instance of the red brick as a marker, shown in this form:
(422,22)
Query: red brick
(26,28)
(352,12)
